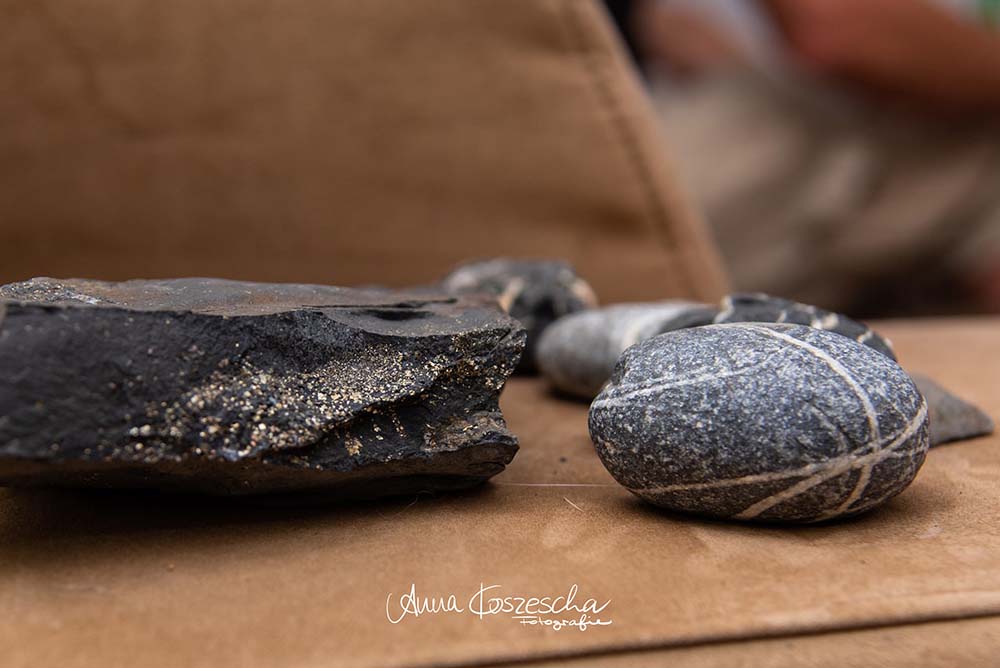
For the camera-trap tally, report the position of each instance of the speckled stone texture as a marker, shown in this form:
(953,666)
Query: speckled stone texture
(763,422)
(951,418)
(239,388)
(536,292)
(578,353)
(759,307)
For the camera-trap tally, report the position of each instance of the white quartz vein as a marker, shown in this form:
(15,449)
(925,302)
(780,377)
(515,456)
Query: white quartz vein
(875,432)
(659,384)
(837,368)
(828,321)
(727,310)
(813,474)
(838,467)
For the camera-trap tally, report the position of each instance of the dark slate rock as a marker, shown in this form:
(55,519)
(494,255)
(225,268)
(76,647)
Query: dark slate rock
(759,307)
(578,353)
(951,417)
(760,422)
(536,292)
(238,388)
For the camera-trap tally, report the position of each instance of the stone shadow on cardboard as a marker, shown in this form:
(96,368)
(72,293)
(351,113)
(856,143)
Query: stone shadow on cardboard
(42,529)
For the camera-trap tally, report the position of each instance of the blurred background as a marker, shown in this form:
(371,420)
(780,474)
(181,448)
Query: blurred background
(844,152)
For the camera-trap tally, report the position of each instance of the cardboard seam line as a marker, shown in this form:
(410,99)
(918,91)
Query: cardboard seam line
(621,649)
(629,142)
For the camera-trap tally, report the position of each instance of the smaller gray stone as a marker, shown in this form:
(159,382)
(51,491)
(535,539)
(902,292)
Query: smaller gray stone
(535,292)
(951,418)
(759,307)
(760,422)
(578,353)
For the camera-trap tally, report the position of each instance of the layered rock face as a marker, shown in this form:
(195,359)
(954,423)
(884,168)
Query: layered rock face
(241,388)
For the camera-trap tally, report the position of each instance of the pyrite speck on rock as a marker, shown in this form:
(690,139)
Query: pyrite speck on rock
(760,422)
(238,388)
(535,292)
(759,307)
(578,353)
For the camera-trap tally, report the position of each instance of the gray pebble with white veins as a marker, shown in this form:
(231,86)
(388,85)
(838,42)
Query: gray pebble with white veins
(760,307)
(762,422)
(577,354)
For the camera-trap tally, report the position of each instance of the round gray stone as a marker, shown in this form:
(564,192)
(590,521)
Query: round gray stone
(577,354)
(760,422)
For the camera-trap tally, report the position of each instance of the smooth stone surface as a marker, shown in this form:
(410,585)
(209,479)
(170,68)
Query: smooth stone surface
(951,418)
(239,388)
(760,422)
(759,307)
(536,292)
(578,353)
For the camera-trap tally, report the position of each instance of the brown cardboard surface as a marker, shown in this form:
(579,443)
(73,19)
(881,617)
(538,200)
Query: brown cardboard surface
(333,142)
(107,579)
(971,643)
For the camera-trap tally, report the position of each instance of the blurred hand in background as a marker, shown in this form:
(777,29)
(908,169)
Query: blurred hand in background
(845,152)
(913,48)
(684,41)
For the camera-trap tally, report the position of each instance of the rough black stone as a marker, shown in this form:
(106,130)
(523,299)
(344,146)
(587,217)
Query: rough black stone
(759,307)
(536,292)
(238,388)
(951,418)
(760,422)
(578,353)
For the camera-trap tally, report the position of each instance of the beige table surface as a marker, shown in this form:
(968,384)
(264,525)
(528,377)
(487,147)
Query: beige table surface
(121,580)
